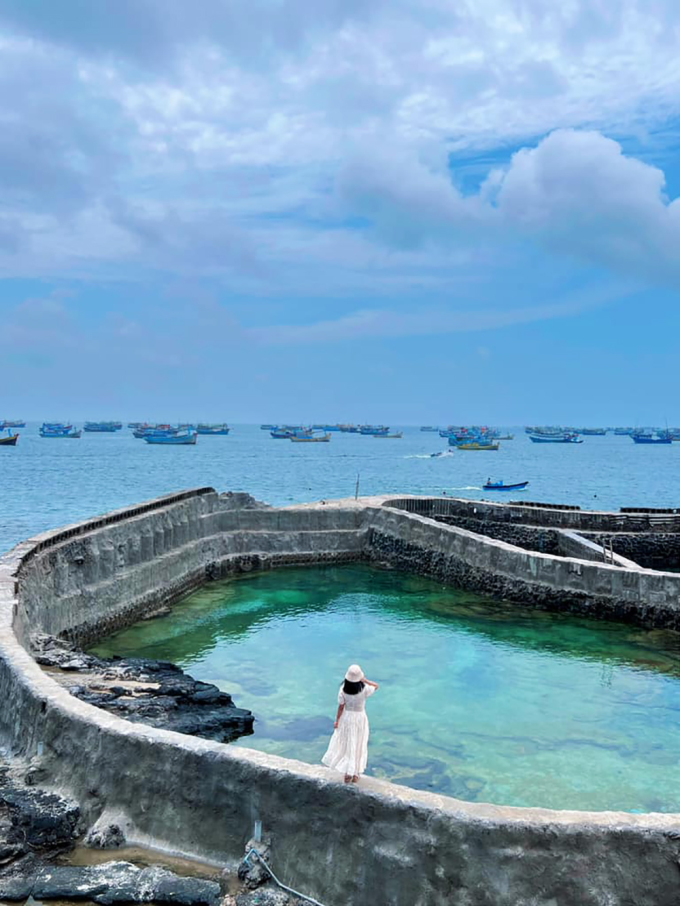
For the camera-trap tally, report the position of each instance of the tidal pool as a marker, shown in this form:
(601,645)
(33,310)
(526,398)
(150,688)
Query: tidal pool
(480,700)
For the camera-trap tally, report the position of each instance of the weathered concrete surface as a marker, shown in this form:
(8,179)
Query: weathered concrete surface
(372,844)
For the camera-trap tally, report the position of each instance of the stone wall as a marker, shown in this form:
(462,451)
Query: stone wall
(376,844)
(652,550)
(528,537)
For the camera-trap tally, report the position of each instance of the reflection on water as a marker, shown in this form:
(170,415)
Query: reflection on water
(478,700)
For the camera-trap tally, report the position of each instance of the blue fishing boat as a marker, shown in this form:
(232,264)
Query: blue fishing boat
(221,430)
(661,438)
(55,429)
(9,423)
(145,431)
(372,430)
(178,439)
(102,427)
(501,486)
(564,438)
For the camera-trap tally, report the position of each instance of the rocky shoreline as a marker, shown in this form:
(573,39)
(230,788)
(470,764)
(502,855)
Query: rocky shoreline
(39,831)
(142,690)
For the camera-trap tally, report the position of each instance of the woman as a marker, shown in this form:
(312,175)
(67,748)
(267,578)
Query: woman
(348,749)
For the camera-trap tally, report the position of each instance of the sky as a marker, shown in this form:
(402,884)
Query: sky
(404,211)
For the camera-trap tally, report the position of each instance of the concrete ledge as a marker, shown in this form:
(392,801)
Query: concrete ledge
(379,843)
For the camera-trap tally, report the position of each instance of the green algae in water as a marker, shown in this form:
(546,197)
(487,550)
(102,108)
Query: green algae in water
(479,700)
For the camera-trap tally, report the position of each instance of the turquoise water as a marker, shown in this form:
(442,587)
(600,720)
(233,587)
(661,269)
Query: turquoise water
(47,483)
(478,700)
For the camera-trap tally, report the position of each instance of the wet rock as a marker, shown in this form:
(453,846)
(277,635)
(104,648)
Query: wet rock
(114,882)
(108,837)
(269,896)
(38,821)
(251,871)
(145,691)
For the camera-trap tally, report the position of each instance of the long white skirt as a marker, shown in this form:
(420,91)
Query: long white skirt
(348,748)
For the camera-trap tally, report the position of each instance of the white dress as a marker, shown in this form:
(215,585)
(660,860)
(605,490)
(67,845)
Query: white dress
(348,748)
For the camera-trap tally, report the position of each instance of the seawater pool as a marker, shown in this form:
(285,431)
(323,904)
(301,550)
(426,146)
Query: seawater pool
(480,700)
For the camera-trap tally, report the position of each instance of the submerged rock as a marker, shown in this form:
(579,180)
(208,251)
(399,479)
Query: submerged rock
(142,690)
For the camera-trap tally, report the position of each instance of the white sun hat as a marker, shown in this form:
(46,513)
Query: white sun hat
(354,674)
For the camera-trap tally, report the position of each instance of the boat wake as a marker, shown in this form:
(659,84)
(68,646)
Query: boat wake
(442,454)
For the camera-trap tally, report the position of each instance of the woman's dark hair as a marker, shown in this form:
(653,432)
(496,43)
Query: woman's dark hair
(352,688)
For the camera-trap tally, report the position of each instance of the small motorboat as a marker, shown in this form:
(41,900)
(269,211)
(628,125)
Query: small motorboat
(502,486)
(396,436)
(10,440)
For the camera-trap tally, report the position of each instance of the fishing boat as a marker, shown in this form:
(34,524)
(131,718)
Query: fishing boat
(145,431)
(593,432)
(285,432)
(477,445)
(58,430)
(564,438)
(102,427)
(12,424)
(221,430)
(502,486)
(395,436)
(178,439)
(661,438)
(372,430)
(10,440)
(310,438)
(429,428)
(505,437)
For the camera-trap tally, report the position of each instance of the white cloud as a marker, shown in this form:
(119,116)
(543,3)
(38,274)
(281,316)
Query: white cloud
(198,140)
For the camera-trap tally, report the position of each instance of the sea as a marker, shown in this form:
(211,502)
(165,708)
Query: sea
(46,483)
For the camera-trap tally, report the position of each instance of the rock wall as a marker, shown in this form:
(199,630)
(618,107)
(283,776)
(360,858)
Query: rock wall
(378,843)
(528,537)
(652,550)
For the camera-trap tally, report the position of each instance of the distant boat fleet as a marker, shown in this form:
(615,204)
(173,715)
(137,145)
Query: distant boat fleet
(458,437)
(322,433)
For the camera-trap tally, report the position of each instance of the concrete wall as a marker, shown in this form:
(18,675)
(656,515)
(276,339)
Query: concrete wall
(466,559)
(544,516)
(572,544)
(377,844)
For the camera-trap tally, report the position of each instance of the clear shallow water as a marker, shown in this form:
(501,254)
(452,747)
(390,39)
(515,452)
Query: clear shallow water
(479,700)
(47,483)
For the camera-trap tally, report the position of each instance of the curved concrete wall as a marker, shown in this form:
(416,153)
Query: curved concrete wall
(379,843)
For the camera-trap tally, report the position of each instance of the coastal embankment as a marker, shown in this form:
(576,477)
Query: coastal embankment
(378,843)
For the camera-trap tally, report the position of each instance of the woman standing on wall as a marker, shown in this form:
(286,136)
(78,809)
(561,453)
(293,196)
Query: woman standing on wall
(348,749)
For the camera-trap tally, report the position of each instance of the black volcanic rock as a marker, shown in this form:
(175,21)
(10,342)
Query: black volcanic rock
(146,691)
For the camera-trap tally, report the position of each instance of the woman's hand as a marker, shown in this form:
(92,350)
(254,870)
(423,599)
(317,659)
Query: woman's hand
(335,725)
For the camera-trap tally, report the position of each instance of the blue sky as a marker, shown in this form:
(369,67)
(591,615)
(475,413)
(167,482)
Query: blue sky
(411,211)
